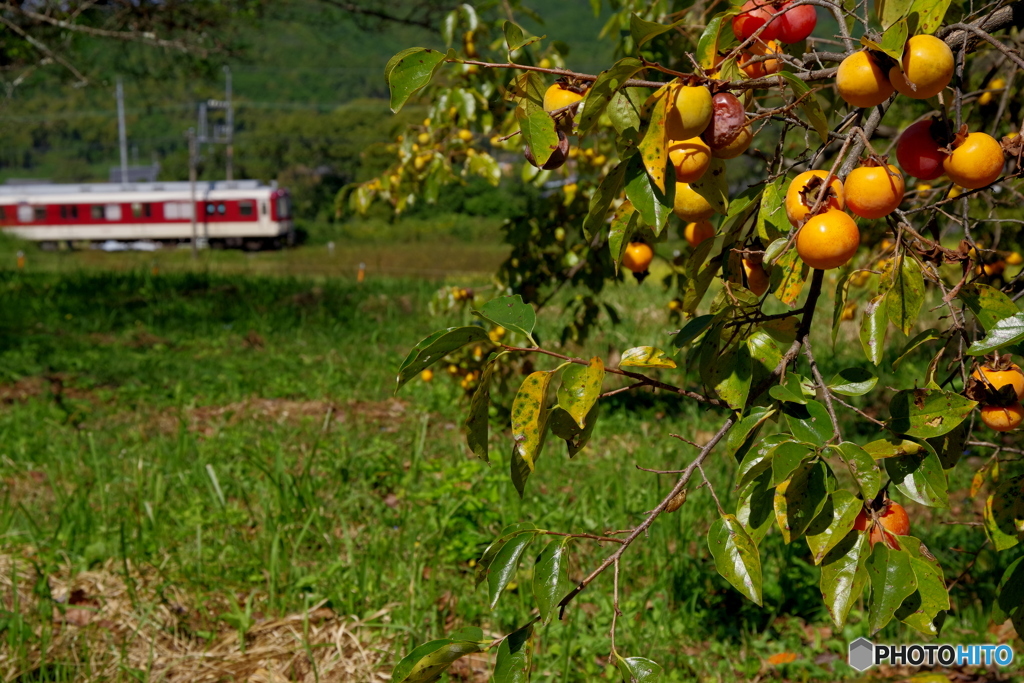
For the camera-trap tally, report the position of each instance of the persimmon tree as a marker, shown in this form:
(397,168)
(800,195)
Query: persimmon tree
(781,181)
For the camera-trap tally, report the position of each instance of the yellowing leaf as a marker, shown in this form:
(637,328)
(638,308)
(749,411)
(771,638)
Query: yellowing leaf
(645,357)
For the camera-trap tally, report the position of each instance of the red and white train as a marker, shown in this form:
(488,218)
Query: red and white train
(242,213)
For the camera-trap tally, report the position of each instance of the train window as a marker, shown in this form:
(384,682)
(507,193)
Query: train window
(245,207)
(263,208)
(96,211)
(40,212)
(210,209)
(3,214)
(113,212)
(69,211)
(283,207)
(140,210)
(221,209)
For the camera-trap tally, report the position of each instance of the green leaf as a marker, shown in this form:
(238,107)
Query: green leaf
(800,499)
(872,329)
(988,304)
(787,457)
(624,114)
(809,105)
(892,581)
(810,422)
(643,31)
(653,151)
(645,357)
(920,477)
(580,388)
(507,534)
(1005,332)
(707,46)
(529,416)
(511,313)
(844,575)
(853,382)
(833,523)
(699,275)
(772,223)
(642,189)
(755,506)
(892,447)
(736,556)
(714,186)
(427,662)
(477,426)
(515,38)
(730,376)
(926,15)
(863,467)
(927,413)
(925,608)
(601,201)
(759,458)
(564,427)
(639,670)
(503,567)
(923,338)
(893,40)
(1010,596)
(788,276)
(623,227)
(891,11)
(551,577)
(950,447)
(602,92)
(842,292)
(692,329)
(515,656)
(1004,514)
(434,348)
(410,70)
(520,470)
(744,433)
(527,90)
(906,296)
(538,129)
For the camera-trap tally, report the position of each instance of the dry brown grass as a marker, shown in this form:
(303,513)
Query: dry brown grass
(101,628)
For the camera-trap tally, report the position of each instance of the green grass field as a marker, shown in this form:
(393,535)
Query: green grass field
(194,457)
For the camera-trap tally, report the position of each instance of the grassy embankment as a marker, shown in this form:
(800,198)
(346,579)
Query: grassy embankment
(199,454)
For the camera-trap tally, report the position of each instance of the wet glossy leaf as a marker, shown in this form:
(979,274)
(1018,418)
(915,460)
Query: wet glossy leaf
(707,45)
(844,575)
(600,94)
(504,537)
(564,427)
(692,329)
(435,347)
(833,523)
(740,437)
(809,422)
(755,506)
(529,417)
(925,608)
(624,225)
(503,567)
(647,196)
(872,329)
(410,70)
(863,467)
(892,581)
(758,458)
(511,313)
(1005,332)
(787,457)
(928,413)
(639,670)
(645,357)
(736,556)
(580,388)
(800,499)
(477,426)
(919,476)
(892,447)
(988,304)
(551,577)
(515,656)
(428,661)
(853,382)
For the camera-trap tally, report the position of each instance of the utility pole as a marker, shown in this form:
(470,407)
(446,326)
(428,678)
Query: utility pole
(192,188)
(231,126)
(121,132)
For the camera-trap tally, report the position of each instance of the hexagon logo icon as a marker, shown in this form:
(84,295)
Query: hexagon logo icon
(862,654)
